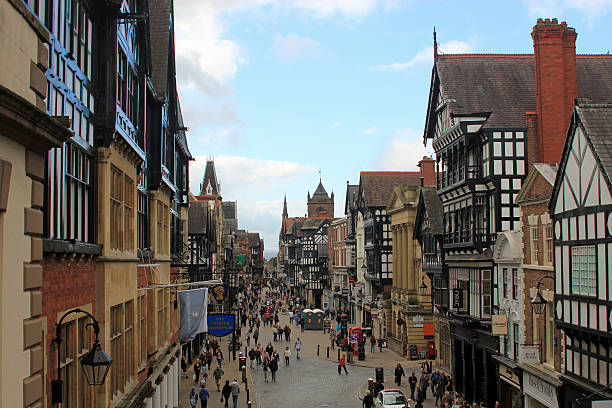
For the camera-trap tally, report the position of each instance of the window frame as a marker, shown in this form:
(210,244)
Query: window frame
(586,278)
(533,243)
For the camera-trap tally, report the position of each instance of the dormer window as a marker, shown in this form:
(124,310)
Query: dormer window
(209,189)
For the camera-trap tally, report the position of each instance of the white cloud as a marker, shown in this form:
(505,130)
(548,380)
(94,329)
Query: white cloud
(404,151)
(591,9)
(293,47)
(369,131)
(426,55)
(335,125)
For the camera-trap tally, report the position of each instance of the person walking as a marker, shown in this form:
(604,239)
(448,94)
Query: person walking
(273,366)
(298,347)
(368,401)
(412,380)
(287,355)
(341,365)
(235,392)
(255,335)
(399,372)
(266,370)
(252,358)
(372,343)
(219,356)
(290,316)
(196,371)
(226,392)
(218,374)
(184,366)
(419,397)
(193,398)
(332,337)
(204,395)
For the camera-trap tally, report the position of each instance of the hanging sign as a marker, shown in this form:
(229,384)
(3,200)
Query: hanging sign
(499,325)
(194,309)
(457,298)
(417,321)
(218,293)
(221,324)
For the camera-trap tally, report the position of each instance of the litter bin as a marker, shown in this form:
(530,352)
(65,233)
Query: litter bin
(361,351)
(242,361)
(380,375)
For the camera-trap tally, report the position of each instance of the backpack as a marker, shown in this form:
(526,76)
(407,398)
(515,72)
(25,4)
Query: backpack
(194,400)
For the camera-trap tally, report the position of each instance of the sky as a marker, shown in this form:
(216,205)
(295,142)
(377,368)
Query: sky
(281,93)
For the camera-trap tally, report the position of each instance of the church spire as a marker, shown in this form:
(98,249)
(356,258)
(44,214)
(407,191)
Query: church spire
(285,213)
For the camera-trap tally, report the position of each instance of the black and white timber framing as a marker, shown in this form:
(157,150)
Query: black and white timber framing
(581,206)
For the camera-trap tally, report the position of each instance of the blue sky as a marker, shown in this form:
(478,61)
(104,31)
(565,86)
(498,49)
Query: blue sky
(276,90)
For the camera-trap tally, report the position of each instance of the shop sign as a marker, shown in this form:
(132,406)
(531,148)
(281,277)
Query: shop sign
(345,291)
(499,325)
(220,324)
(457,298)
(351,279)
(417,321)
(529,354)
(374,315)
(540,389)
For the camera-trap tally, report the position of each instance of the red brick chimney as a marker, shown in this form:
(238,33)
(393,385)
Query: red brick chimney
(428,171)
(554,47)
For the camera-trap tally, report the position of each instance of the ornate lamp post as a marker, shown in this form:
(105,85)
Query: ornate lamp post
(95,363)
(538,303)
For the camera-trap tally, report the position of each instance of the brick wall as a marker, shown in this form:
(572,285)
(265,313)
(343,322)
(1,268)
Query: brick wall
(68,282)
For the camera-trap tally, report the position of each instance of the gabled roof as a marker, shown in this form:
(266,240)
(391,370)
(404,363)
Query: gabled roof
(241,235)
(375,187)
(502,87)
(229,209)
(433,205)
(350,202)
(596,122)
(548,173)
(210,176)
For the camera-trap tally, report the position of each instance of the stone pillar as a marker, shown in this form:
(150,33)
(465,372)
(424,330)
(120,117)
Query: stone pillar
(163,393)
(400,258)
(395,251)
(175,380)
(148,402)
(170,385)
(156,397)
(410,274)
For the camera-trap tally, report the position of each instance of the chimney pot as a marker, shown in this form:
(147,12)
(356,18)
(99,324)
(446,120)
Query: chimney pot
(554,21)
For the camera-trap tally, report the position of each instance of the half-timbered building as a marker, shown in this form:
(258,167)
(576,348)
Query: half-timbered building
(581,208)
(489,117)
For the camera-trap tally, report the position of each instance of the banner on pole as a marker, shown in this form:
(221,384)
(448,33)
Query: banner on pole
(194,312)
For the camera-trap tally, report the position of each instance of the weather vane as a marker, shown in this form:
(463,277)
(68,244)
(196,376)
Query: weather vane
(320,177)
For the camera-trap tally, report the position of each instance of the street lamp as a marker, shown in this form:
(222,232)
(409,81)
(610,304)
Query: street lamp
(95,363)
(423,287)
(538,303)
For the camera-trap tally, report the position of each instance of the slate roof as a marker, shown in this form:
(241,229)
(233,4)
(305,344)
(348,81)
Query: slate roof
(435,212)
(181,134)
(210,175)
(597,120)
(320,194)
(198,217)
(159,34)
(547,171)
(229,209)
(231,226)
(253,239)
(505,84)
(377,186)
(352,193)
(241,235)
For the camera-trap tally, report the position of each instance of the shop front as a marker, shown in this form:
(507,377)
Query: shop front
(541,388)
(509,377)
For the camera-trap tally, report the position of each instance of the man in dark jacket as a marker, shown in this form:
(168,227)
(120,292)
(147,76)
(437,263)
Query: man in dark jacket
(412,380)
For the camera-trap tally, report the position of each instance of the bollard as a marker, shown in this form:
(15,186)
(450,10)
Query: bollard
(244,377)
(318,347)
(338,354)
(327,351)
(248,396)
(249,404)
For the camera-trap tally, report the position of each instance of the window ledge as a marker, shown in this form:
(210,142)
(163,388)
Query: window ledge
(70,247)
